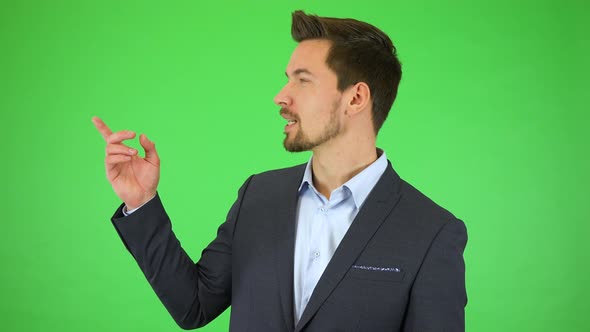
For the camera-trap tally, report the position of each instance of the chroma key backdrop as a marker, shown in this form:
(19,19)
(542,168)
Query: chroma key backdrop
(491,122)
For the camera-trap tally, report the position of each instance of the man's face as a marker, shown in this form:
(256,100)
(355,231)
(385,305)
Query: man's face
(310,101)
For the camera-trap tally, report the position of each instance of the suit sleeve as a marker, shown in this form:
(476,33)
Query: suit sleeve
(438,296)
(193,294)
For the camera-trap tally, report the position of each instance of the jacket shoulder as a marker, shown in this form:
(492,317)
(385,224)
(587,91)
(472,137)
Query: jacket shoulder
(424,210)
(279,176)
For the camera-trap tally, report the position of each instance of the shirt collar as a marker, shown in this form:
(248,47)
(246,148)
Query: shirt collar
(360,185)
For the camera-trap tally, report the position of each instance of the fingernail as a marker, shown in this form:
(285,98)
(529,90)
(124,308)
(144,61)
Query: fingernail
(131,151)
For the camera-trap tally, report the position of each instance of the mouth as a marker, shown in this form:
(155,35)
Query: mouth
(290,124)
(291,119)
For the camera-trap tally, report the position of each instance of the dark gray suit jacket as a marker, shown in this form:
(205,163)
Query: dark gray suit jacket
(398,268)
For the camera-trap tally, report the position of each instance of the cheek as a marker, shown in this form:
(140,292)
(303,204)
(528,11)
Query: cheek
(315,108)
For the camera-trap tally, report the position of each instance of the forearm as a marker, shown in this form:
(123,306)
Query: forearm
(148,236)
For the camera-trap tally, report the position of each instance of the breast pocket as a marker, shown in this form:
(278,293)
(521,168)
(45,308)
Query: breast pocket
(364,272)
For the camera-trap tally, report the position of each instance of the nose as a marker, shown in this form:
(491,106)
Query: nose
(283,98)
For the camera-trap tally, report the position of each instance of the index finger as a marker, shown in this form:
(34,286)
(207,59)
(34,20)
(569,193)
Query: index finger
(102,127)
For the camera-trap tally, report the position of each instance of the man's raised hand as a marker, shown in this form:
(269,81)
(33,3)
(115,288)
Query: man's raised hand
(134,179)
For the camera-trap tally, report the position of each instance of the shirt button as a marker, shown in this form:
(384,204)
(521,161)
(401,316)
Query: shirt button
(316,254)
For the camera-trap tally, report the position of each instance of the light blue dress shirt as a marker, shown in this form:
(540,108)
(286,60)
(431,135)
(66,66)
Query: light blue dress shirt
(322,223)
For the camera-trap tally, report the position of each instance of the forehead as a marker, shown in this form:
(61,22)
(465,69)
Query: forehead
(310,55)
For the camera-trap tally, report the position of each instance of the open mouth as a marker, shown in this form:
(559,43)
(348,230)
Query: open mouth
(290,125)
(291,119)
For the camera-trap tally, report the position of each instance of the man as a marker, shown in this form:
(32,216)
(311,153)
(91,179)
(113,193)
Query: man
(338,244)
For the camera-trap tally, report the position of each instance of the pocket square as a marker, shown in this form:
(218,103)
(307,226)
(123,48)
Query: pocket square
(377,268)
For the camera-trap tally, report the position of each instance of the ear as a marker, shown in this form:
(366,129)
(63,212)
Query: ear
(359,98)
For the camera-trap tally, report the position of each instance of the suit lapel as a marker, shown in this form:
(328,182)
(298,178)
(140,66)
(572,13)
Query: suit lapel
(376,208)
(286,203)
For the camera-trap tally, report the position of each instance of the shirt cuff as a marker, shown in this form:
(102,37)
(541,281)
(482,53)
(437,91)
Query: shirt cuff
(128,212)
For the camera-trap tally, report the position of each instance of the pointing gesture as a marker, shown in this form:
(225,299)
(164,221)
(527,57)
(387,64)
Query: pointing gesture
(134,179)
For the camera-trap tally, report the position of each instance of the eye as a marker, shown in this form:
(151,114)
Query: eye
(303,80)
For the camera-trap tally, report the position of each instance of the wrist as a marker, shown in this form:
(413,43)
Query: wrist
(134,205)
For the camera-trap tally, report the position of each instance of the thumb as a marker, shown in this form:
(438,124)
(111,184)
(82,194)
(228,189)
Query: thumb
(151,155)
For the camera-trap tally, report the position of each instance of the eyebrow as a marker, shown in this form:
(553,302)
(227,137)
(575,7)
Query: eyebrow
(300,71)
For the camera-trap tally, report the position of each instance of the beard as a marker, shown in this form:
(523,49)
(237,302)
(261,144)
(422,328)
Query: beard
(302,142)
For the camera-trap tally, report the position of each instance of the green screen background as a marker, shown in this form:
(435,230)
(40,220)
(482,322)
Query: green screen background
(489,123)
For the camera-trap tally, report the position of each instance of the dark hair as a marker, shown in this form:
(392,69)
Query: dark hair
(359,52)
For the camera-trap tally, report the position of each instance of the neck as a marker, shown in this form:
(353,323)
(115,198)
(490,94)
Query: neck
(336,162)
